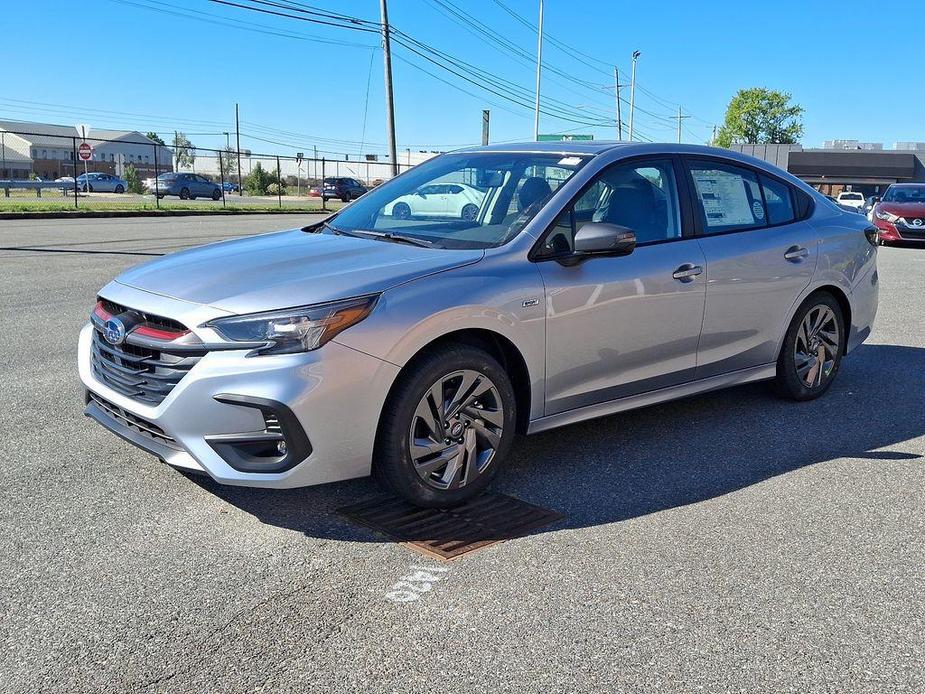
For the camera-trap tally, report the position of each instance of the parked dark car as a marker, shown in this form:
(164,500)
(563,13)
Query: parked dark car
(230,187)
(187,186)
(345,189)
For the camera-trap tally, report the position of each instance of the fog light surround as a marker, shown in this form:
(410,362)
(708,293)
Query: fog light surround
(281,446)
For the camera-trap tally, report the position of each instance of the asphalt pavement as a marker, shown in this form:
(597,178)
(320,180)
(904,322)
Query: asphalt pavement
(728,542)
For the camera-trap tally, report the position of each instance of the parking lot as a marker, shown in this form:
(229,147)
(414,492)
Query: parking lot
(728,542)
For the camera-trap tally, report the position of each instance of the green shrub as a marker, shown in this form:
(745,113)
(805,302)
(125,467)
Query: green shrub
(273,189)
(258,181)
(133,180)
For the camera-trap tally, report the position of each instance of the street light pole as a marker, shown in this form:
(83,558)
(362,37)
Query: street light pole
(636,55)
(237,132)
(539,68)
(616,88)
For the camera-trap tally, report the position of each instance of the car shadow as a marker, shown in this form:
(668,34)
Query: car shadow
(665,456)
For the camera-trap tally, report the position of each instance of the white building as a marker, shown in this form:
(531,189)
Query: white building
(48,151)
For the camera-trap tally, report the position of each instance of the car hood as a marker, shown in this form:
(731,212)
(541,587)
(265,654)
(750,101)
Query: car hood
(289,268)
(903,209)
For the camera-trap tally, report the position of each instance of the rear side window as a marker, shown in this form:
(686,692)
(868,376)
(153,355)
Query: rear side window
(728,197)
(778,200)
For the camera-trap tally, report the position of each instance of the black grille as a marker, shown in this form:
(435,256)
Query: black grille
(150,319)
(142,373)
(133,422)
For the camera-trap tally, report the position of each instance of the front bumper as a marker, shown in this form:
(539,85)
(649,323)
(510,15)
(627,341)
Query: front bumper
(335,394)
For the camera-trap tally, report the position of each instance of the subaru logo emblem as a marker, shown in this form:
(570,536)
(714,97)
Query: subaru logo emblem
(917,222)
(114,331)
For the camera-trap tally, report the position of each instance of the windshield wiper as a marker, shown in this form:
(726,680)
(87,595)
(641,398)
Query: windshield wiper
(396,238)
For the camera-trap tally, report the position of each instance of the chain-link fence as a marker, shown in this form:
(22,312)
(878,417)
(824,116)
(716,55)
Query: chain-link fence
(41,169)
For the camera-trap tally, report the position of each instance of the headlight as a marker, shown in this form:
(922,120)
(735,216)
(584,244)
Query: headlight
(300,329)
(886,216)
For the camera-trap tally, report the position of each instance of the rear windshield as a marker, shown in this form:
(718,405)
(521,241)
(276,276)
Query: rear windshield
(851,196)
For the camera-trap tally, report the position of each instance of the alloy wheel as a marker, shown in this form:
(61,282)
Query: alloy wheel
(456,429)
(816,347)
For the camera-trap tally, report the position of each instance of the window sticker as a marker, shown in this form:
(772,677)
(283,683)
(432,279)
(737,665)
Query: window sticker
(758,210)
(570,161)
(725,202)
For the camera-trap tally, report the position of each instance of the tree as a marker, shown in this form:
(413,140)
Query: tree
(759,116)
(133,180)
(229,161)
(157,138)
(258,181)
(184,151)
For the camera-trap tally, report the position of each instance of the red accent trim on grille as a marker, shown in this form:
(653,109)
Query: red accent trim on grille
(101,312)
(158,334)
(144,330)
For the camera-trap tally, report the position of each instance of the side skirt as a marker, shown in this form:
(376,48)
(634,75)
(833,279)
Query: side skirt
(653,397)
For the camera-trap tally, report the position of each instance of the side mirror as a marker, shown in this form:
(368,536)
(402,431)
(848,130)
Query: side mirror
(420,193)
(600,238)
(875,199)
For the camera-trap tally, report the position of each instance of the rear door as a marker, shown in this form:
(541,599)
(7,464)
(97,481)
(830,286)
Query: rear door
(759,259)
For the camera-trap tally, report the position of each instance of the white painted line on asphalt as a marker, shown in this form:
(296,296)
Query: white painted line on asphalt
(418,581)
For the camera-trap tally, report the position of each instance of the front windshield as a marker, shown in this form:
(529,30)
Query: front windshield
(465,200)
(905,194)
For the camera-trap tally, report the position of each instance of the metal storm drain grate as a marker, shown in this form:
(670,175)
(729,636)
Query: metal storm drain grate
(450,533)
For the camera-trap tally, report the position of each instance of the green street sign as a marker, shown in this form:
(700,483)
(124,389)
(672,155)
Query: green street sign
(563,138)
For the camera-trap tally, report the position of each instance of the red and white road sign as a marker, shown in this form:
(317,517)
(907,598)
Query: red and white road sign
(85,151)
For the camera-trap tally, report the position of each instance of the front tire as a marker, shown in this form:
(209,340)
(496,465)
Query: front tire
(216,195)
(446,428)
(184,194)
(345,197)
(812,351)
(119,190)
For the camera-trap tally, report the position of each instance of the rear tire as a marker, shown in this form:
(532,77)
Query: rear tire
(345,197)
(457,449)
(812,351)
(120,190)
(401,211)
(184,194)
(216,195)
(470,212)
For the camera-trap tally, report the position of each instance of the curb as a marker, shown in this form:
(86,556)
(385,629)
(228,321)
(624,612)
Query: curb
(103,214)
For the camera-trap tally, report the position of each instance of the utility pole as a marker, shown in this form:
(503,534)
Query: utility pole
(237,132)
(616,88)
(713,139)
(636,55)
(389,101)
(539,67)
(680,118)
(486,117)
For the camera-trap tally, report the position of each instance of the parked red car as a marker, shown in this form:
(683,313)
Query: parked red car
(900,214)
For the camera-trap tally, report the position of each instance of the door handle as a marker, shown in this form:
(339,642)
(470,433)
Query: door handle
(687,272)
(795,254)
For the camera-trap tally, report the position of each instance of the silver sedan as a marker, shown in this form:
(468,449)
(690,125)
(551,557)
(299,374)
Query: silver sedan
(593,278)
(101,183)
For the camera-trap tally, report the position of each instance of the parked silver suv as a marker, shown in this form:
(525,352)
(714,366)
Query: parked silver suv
(594,278)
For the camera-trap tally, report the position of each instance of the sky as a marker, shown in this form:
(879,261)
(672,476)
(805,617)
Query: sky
(168,65)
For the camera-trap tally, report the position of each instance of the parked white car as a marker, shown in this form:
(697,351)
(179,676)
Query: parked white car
(849,198)
(438,200)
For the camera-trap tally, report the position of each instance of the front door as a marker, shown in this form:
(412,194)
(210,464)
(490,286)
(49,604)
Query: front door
(760,258)
(619,326)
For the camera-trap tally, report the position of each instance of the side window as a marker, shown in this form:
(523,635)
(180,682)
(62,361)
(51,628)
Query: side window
(728,197)
(778,200)
(641,196)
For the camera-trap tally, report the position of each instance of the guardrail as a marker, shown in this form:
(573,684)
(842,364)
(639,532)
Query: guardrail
(64,186)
